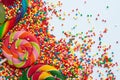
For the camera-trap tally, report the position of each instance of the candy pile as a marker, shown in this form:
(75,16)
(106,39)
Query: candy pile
(52,52)
(32,52)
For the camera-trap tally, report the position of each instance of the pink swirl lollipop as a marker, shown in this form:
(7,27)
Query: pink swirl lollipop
(21,49)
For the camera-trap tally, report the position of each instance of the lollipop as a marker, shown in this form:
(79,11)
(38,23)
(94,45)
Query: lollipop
(44,72)
(5,27)
(21,49)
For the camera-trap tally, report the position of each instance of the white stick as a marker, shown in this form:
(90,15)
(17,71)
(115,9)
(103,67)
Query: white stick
(4,60)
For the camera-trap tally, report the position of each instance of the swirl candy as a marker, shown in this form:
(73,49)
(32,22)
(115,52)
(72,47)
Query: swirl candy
(21,49)
(9,24)
(44,72)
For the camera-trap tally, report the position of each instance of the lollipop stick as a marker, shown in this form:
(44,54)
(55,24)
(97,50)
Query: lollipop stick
(4,60)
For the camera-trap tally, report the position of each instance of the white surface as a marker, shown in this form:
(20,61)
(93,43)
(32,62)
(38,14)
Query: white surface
(94,7)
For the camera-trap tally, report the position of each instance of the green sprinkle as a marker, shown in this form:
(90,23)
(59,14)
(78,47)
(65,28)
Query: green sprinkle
(107,6)
(80,67)
(87,15)
(81,15)
(90,15)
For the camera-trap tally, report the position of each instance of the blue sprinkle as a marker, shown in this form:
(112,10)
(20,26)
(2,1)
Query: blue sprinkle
(69,52)
(99,75)
(0,59)
(99,39)
(86,53)
(76,14)
(0,50)
(40,29)
(9,47)
(36,14)
(89,56)
(9,33)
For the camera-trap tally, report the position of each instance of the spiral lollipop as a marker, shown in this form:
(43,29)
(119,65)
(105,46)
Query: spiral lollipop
(44,72)
(21,49)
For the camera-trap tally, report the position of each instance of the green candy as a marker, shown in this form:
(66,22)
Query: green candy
(50,78)
(2,14)
(57,74)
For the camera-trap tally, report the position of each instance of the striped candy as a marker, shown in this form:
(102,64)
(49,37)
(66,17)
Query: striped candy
(44,72)
(9,24)
(21,49)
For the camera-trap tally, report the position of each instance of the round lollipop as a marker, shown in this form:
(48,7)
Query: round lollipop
(2,14)
(21,49)
(44,72)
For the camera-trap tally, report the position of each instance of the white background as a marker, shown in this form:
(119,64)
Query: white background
(92,7)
